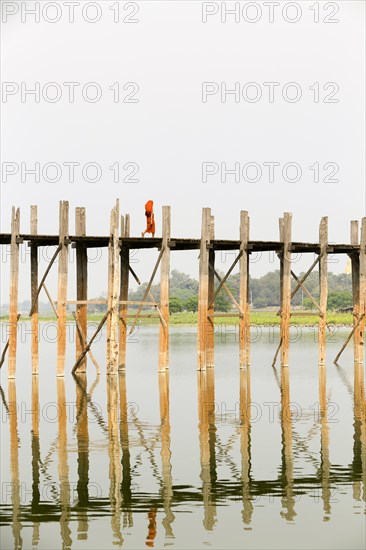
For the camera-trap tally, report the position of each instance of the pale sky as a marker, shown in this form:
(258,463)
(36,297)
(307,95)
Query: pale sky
(169,132)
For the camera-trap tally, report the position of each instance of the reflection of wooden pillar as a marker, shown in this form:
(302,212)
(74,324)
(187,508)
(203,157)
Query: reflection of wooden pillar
(34,288)
(203,290)
(62,287)
(285,274)
(244,402)
(82,435)
(288,499)
(359,437)
(166,454)
(123,296)
(323,287)
(63,467)
(114,460)
(13,299)
(164,293)
(209,511)
(210,352)
(244,302)
(324,442)
(81,286)
(126,460)
(14,465)
(36,459)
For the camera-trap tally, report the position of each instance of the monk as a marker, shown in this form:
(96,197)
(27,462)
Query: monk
(150,222)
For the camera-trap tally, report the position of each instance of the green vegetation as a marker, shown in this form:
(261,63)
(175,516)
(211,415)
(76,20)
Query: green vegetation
(257,318)
(264,295)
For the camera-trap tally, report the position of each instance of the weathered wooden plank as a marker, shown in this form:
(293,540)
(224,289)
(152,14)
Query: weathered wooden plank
(203,290)
(114,291)
(62,287)
(355,266)
(286,288)
(210,326)
(323,288)
(123,295)
(34,287)
(81,286)
(13,301)
(244,302)
(362,307)
(164,293)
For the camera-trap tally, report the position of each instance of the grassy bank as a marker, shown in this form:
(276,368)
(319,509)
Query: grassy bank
(257,318)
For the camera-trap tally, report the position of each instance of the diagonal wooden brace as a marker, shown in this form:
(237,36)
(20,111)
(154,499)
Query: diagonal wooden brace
(147,289)
(223,281)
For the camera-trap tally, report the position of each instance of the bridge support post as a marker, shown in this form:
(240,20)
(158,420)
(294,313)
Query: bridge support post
(62,286)
(164,293)
(323,288)
(34,288)
(285,277)
(113,292)
(203,290)
(244,302)
(125,270)
(14,282)
(81,286)
(210,325)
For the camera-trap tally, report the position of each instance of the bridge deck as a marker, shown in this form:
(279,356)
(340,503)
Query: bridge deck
(180,244)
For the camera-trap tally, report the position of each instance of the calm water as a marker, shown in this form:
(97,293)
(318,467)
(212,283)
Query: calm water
(223,459)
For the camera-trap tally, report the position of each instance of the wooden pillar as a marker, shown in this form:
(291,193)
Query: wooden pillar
(210,333)
(14,275)
(355,263)
(323,287)
(203,290)
(81,286)
(362,307)
(123,295)
(244,302)
(285,288)
(34,288)
(63,259)
(164,292)
(113,292)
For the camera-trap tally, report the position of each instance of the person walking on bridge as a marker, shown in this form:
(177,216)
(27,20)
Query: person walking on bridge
(150,222)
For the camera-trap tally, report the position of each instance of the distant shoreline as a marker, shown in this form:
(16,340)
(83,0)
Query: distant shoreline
(257,318)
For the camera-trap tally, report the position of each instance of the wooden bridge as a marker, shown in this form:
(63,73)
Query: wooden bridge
(119,242)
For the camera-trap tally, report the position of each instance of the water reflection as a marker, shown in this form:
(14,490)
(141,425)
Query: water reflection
(36,458)
(207,437)
(14,465)
(115,469)
(287,467)
(82,432)
(324,443)
(245,450)
(126,492)
(359,438)
(131,442)
(166,467)
(63,466)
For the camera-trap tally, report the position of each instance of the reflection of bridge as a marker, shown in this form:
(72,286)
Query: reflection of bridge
(119,242)
(126,499)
